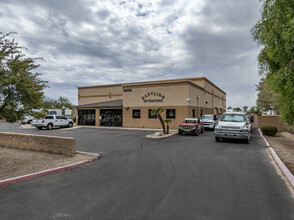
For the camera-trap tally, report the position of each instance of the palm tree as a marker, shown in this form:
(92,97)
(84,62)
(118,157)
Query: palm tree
(167,121)
(156,112)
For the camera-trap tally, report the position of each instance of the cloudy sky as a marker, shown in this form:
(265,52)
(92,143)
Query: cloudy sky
(116,41)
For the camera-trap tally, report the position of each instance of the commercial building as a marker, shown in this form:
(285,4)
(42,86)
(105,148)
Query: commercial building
(129,105)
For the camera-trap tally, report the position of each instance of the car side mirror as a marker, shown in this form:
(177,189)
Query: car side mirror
(214,117)
(252,119)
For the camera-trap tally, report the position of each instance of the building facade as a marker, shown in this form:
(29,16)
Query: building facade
(129,105)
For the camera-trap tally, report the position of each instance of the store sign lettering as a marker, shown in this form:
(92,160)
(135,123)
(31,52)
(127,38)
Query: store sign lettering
(153,97)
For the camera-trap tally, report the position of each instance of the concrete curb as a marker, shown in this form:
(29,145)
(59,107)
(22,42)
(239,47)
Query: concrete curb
(27,126)
(122,128)
(54,170)
(97,156)
(285,170)
(41,173)
(161,137)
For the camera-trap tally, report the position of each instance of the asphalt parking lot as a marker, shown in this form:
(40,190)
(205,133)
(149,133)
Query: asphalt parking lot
(182,177)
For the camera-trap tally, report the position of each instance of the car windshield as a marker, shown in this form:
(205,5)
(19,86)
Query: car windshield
(207,117)
(190,121)
(233,118)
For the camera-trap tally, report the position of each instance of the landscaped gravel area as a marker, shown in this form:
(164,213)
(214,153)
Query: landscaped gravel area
(283,144)
(15,162)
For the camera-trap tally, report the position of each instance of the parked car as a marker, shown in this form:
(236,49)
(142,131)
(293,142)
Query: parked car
(27,119)
(191,125)
(233,125)
(208,121)
(51,121)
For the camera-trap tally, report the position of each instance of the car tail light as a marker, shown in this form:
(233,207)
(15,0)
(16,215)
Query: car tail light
(43,121)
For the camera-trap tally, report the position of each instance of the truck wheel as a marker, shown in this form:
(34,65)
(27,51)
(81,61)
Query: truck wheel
(217,139)
(70,125)
(248,139)
(180,132)
(49,126)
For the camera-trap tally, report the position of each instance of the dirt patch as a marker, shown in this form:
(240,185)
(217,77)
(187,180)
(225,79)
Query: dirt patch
(283,144)
(15,162)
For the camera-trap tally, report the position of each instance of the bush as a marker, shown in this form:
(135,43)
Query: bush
(269,130)
(74,120)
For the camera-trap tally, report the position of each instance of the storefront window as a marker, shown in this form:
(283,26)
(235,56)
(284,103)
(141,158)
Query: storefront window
(171,113)
(136,113)
(111,117)
(151,116)
(86,117)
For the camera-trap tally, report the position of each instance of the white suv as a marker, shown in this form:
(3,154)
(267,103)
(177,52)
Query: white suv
(233,125)
(208,121)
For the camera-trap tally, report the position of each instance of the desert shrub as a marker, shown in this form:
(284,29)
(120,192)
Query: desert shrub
(290,128)
(269,130)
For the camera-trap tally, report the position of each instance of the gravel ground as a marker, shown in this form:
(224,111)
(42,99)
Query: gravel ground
(283,144)
(15,162)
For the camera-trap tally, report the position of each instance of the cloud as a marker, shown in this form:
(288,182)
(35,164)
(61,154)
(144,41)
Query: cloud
(101,42)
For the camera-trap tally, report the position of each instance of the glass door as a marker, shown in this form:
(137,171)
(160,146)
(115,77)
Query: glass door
(111,117)
(86,117)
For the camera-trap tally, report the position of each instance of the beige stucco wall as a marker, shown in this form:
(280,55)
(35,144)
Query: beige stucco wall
(174,95)
(271,120)
(210,88)
(198,81)
(203,97)
(87,95)
(145,122)
(49,144)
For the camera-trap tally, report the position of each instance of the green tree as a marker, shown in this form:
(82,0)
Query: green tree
(40,114)
(275,32)
(237,109)
(21,89)
(230,107)
(255,110)
(267,100)
(60,103)
(157,112)
(245,108)
(167,121)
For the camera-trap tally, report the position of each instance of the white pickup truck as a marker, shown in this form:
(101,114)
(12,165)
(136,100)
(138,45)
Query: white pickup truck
(51,121)
(233,125)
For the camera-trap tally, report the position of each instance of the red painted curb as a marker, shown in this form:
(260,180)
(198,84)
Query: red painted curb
(41,173)
(282,166)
